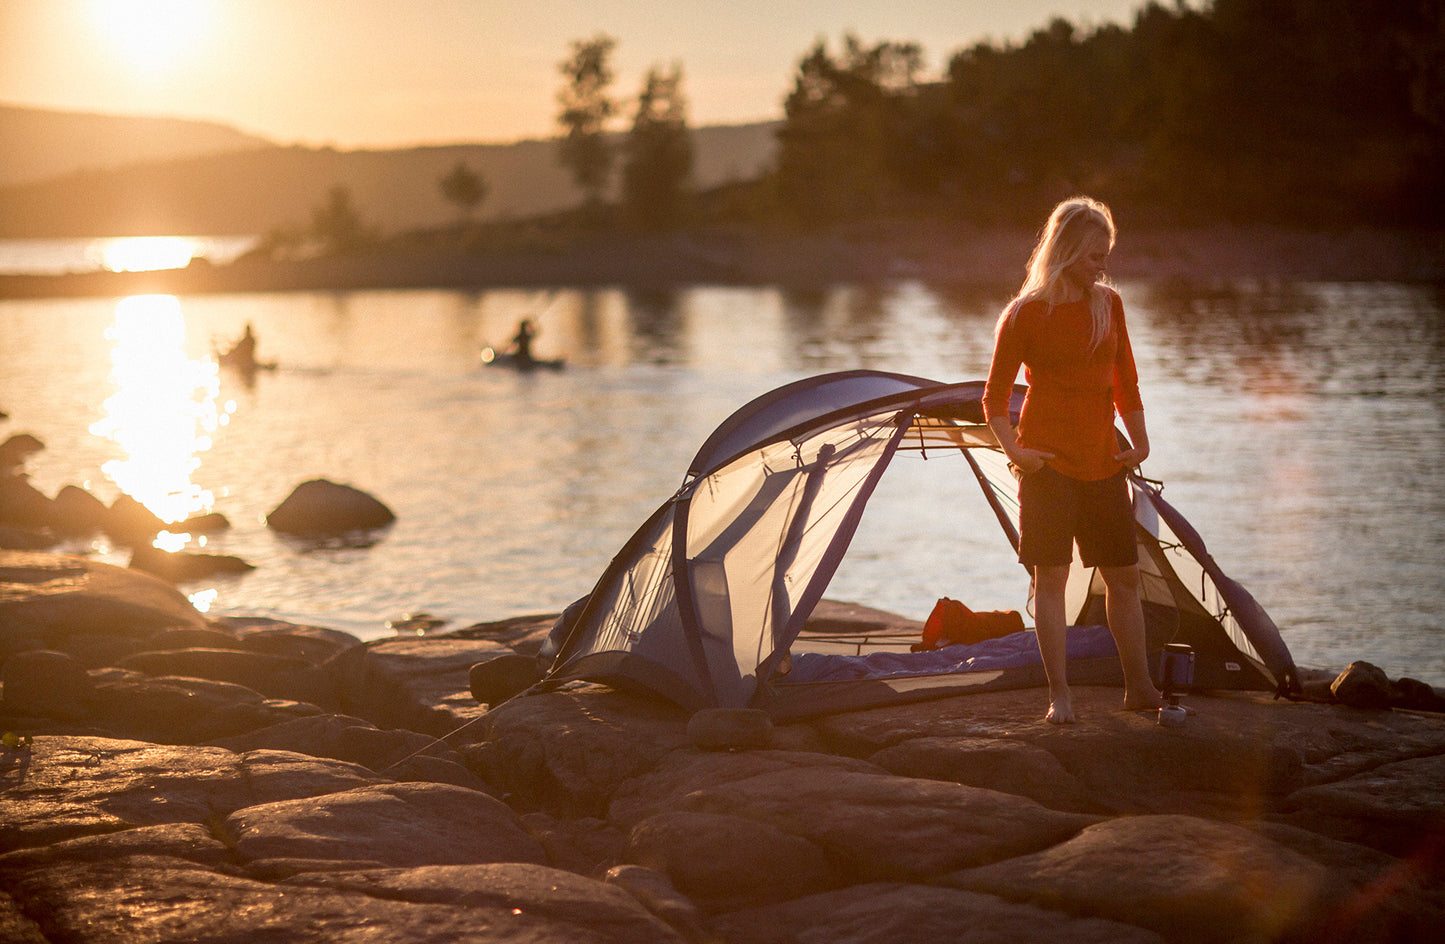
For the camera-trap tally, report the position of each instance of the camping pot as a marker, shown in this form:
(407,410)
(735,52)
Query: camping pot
(1176,667)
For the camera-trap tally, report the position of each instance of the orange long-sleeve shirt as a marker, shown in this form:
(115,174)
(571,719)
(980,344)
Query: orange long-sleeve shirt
(1072,398)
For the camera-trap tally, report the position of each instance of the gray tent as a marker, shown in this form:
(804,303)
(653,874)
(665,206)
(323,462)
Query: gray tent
(704,600)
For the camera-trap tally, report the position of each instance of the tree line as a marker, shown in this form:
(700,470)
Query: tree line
(1300,112)
(1316,112)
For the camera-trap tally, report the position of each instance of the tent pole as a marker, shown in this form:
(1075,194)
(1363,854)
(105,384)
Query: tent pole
(682,591)
(999,511)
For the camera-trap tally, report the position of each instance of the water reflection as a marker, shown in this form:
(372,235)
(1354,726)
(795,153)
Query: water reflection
(163,411)
(1291,338)
(654,324)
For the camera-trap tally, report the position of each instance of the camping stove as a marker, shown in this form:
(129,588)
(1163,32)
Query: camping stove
(1176,671)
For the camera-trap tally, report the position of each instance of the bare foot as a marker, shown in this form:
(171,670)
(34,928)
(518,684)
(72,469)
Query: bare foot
(1061,711)
(1146,702)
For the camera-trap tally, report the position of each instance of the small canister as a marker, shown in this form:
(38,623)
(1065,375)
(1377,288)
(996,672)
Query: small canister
(1176,667)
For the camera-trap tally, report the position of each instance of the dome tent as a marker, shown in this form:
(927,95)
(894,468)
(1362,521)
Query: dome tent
(712,591)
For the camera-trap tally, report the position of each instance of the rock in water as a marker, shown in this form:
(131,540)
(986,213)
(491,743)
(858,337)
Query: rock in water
(322,507)
(1363,685)
(182,567)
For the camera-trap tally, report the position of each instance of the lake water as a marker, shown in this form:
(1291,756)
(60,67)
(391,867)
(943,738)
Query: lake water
(1297,426)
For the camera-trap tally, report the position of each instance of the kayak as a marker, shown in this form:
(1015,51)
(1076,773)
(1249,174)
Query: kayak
(244,364)
(494,358)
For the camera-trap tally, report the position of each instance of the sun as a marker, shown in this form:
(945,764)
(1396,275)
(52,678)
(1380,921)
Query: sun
(152,35)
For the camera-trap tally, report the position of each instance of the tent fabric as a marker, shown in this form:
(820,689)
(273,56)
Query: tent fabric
(713,589)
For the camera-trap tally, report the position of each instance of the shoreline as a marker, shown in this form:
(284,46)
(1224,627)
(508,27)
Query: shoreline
(900,252)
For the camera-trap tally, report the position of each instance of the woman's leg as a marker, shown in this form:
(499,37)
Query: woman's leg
(1125,613)
(1050,625)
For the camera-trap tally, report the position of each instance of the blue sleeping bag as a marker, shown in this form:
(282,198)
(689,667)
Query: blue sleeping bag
(1016,649)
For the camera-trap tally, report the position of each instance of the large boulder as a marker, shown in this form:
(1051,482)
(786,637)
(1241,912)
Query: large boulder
(131,522)
(22,505)
(52,601)
(16,449)
(495,679)
(77,511)
(1363,685)
(320,507)
(47,684)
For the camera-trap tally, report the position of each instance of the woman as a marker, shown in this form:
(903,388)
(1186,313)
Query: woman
(1067,331)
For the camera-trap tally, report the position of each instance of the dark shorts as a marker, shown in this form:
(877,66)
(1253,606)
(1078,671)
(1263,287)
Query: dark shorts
(1055,511)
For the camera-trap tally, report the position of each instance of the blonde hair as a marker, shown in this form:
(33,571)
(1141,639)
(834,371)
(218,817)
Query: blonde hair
(1060,245)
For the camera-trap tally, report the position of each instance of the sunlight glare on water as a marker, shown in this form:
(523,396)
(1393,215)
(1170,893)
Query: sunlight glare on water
(147,253)
(163,411)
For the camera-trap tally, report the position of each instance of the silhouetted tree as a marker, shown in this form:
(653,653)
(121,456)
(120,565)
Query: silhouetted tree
(337,225)
(842,121)
(1322,112)
(463,189)
(658,151)
(586,108)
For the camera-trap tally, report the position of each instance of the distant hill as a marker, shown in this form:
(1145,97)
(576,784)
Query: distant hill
(42,144)
(262,187)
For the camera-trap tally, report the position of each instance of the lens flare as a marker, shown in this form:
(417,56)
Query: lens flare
(163,412)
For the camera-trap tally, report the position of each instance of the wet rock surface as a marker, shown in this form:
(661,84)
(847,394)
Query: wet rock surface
(171,778)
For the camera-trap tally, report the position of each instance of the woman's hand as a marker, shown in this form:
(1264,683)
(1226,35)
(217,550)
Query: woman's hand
(1133,457)
(1029,460)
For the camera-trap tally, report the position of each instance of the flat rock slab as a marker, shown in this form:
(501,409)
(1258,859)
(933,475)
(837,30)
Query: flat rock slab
(1382,808)
(727,862)
(404,824)
(1188,879)
(47,598)
(1237,755)
(891,913)
(345,738)
(64,787)
(154,898)
(416,682)
(873,824)
(571,750)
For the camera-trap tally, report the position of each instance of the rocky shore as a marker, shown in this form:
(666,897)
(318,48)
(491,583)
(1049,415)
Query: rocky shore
(169,777)
(932,252)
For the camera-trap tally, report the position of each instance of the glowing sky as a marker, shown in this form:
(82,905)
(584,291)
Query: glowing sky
(363,73)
